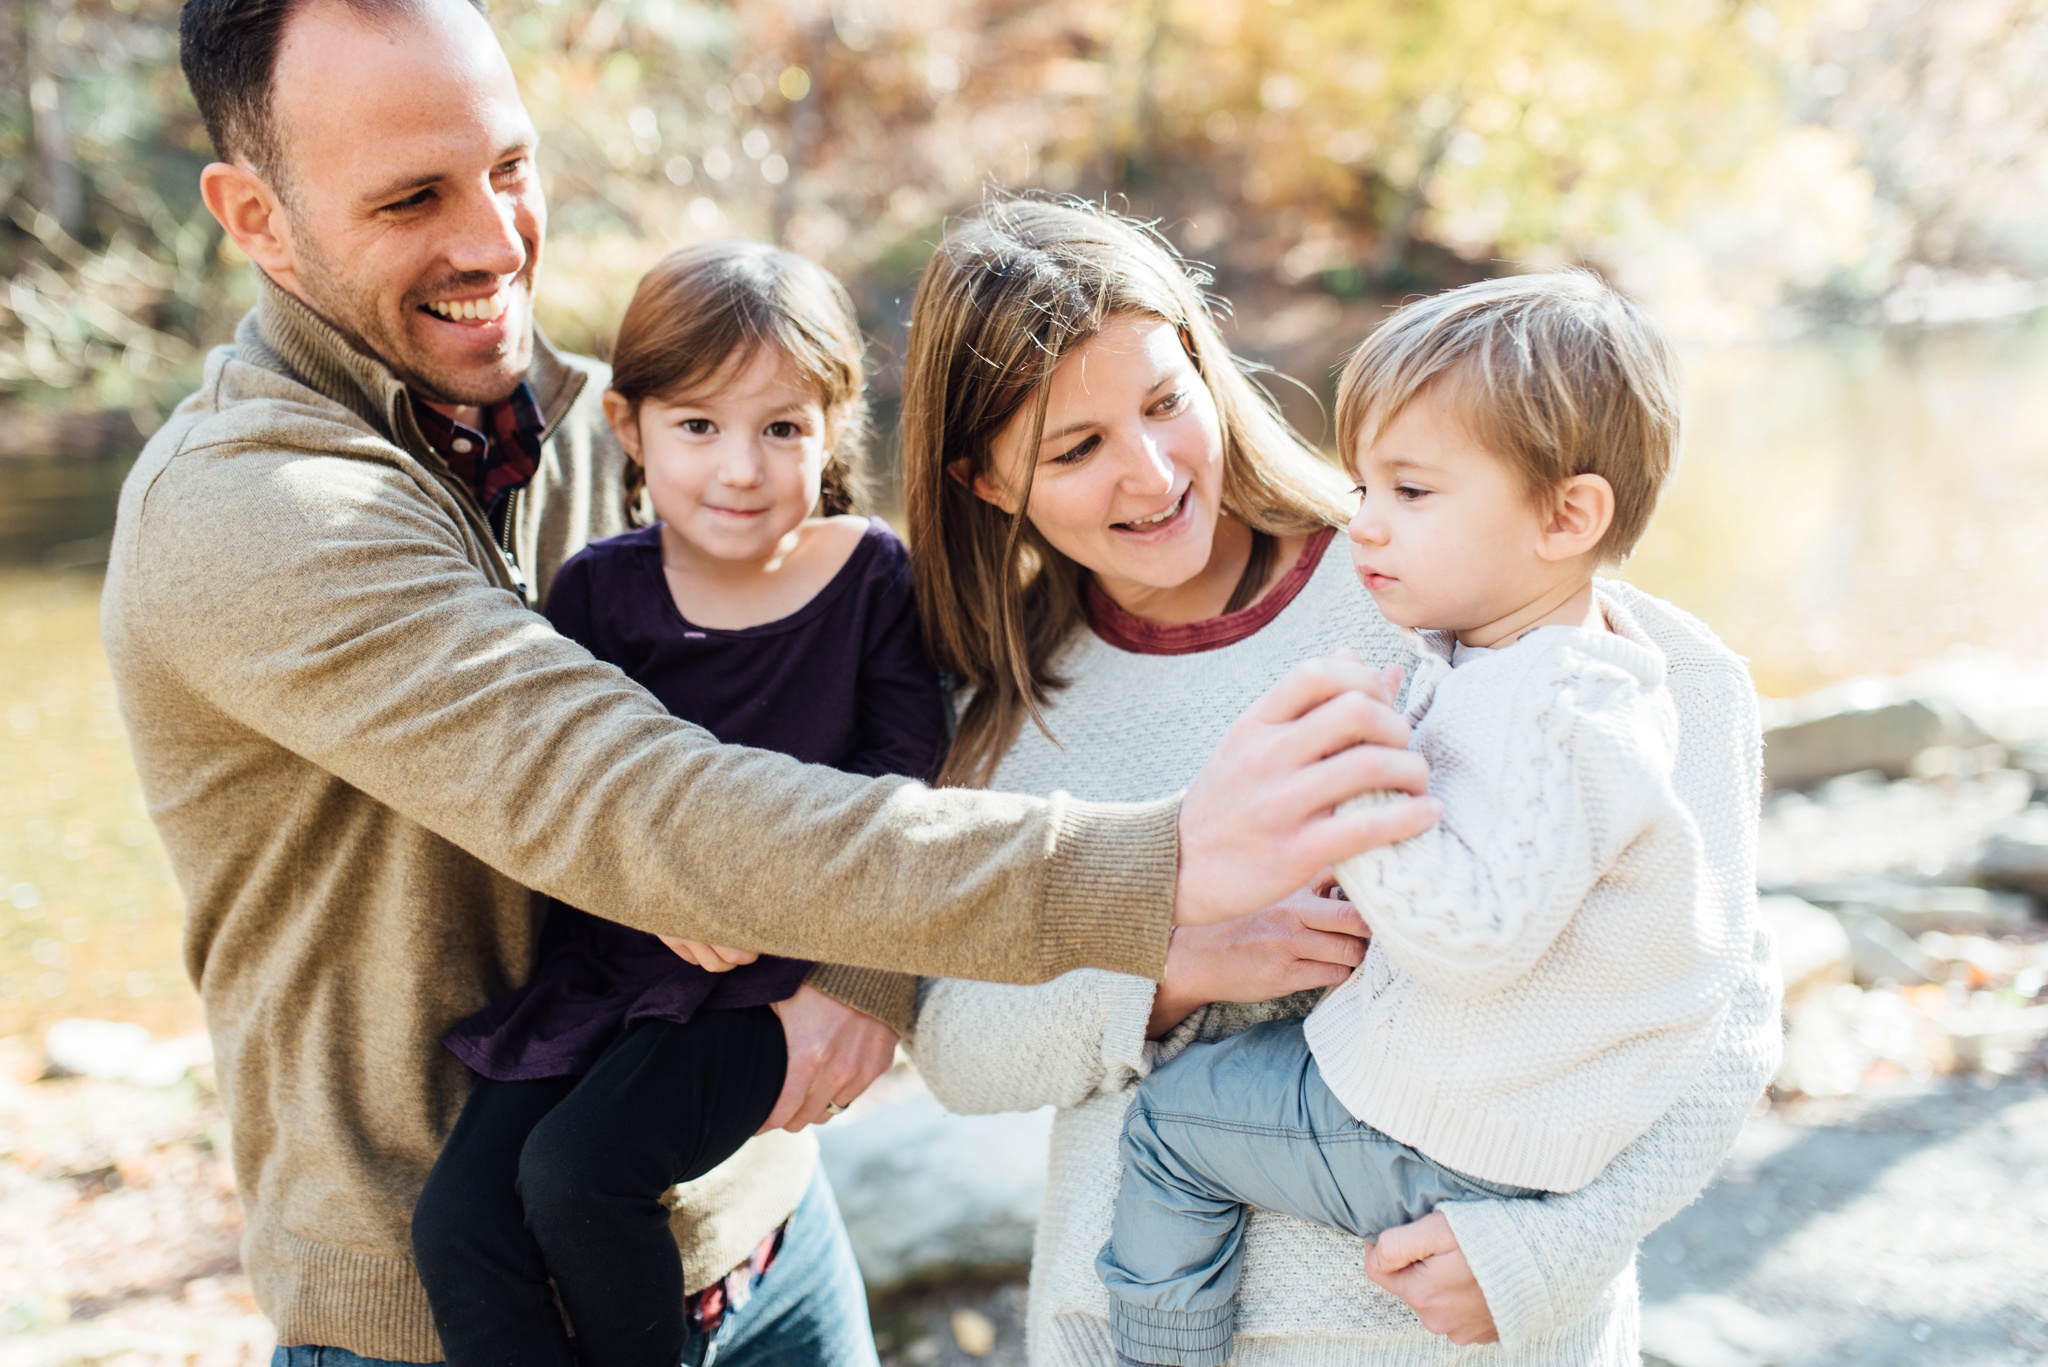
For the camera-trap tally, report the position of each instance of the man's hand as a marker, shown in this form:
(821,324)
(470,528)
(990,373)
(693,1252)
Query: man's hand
(1423,1265)
(710,958)
(1309,940)
(1261,817)
(834,1053)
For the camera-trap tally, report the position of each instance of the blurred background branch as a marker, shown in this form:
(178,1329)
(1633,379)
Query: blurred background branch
(1752,169)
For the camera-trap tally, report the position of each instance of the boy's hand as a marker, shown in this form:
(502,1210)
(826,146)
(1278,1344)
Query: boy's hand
(710,958)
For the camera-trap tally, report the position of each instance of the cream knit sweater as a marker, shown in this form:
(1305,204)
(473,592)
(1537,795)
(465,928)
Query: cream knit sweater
(1558,1273)
(1546,970)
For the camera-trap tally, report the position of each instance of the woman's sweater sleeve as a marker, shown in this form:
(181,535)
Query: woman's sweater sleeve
(1542,1263)
(1538,809)
(985,1047)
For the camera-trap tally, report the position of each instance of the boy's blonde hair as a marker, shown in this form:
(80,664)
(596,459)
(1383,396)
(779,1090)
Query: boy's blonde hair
(1555,373)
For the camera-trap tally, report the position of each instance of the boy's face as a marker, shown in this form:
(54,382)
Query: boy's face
(1446,535)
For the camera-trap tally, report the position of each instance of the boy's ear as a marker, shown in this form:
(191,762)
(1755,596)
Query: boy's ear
(1581,511)
(625,423)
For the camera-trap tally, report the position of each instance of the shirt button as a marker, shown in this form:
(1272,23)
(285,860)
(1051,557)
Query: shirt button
(463,446)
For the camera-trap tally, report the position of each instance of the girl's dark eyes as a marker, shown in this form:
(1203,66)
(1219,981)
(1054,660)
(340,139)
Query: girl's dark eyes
(784,431)
(698,427)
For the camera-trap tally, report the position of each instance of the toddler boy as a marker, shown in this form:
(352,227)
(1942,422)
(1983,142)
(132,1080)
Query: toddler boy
(1546,972)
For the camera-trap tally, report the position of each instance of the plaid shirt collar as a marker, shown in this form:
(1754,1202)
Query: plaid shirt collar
(497,460)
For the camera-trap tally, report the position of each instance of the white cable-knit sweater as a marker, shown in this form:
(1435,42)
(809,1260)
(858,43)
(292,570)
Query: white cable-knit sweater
(1558,1273)
(1546,969)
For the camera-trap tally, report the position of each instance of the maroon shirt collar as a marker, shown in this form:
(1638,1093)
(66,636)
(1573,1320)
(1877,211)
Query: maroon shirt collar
(1128,631)
(496,460)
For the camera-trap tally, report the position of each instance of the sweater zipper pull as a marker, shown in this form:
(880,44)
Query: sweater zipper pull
(504,531)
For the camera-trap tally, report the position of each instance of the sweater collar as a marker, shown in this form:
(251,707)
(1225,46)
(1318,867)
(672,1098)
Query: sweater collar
(313,350)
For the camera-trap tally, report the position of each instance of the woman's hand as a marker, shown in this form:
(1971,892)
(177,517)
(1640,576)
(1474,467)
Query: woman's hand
(834,1053)
(1423,1265)
(711,958)
(1260,817)
(1307,941)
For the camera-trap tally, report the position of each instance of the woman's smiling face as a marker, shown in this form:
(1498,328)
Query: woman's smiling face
(1128,479)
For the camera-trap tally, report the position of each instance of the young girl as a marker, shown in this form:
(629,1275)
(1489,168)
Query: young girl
(621,1069)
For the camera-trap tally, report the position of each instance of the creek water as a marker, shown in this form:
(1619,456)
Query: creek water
(1847,504)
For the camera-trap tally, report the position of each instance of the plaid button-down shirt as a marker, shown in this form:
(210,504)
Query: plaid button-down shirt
(497,460)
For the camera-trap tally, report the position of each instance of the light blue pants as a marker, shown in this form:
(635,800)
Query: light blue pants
(1246,1121)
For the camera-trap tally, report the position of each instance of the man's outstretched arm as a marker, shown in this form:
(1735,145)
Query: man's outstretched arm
(334,612)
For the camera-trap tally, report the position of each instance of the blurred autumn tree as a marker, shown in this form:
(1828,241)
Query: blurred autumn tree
(1320,153)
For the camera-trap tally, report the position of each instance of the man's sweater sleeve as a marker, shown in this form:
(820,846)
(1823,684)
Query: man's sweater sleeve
(1542,1263)
(328,605)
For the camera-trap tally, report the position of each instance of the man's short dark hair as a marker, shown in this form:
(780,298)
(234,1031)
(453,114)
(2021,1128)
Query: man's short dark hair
(229,51)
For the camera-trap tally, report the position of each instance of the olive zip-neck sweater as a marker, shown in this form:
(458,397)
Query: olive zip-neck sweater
(362,747)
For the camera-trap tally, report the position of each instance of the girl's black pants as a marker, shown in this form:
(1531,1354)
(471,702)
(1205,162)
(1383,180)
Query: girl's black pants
(562,1178)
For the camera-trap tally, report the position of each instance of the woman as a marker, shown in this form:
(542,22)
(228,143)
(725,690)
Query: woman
(1118,546)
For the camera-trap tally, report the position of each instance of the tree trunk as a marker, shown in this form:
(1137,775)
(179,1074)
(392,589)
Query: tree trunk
(59,190)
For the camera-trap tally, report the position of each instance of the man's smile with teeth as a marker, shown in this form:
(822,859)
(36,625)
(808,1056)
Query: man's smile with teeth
(469,310)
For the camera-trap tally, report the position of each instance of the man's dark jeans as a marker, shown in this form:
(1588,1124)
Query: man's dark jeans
(808,1310)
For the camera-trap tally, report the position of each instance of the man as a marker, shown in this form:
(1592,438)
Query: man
(363,747)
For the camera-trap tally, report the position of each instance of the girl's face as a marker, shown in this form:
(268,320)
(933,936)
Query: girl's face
(734,468)
(1128,479)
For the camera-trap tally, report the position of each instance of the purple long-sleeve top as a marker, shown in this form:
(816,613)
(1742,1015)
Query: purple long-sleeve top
(844,680)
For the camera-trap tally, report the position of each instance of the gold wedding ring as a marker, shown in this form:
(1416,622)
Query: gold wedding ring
(833,1108)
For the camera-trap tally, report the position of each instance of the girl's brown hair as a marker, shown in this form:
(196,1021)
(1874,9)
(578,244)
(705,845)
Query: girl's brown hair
(704,311)
(1011,291)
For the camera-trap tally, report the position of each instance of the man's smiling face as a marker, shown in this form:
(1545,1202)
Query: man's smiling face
(413,212)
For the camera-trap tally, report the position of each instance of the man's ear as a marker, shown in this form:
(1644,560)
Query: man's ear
(625,423)
(1581,511)
(252,214)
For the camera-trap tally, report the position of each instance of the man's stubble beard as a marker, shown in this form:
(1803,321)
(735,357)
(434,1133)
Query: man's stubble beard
(352,308)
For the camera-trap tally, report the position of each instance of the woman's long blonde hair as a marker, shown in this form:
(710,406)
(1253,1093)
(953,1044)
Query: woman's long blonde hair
(1011,291)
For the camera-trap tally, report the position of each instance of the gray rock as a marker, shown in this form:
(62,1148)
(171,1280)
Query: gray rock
(1885,738)
(1918,907)
(929,1195)
(1812,947)
(1907,1228)
(1706,1330)
(2015,854)
(1879,951)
